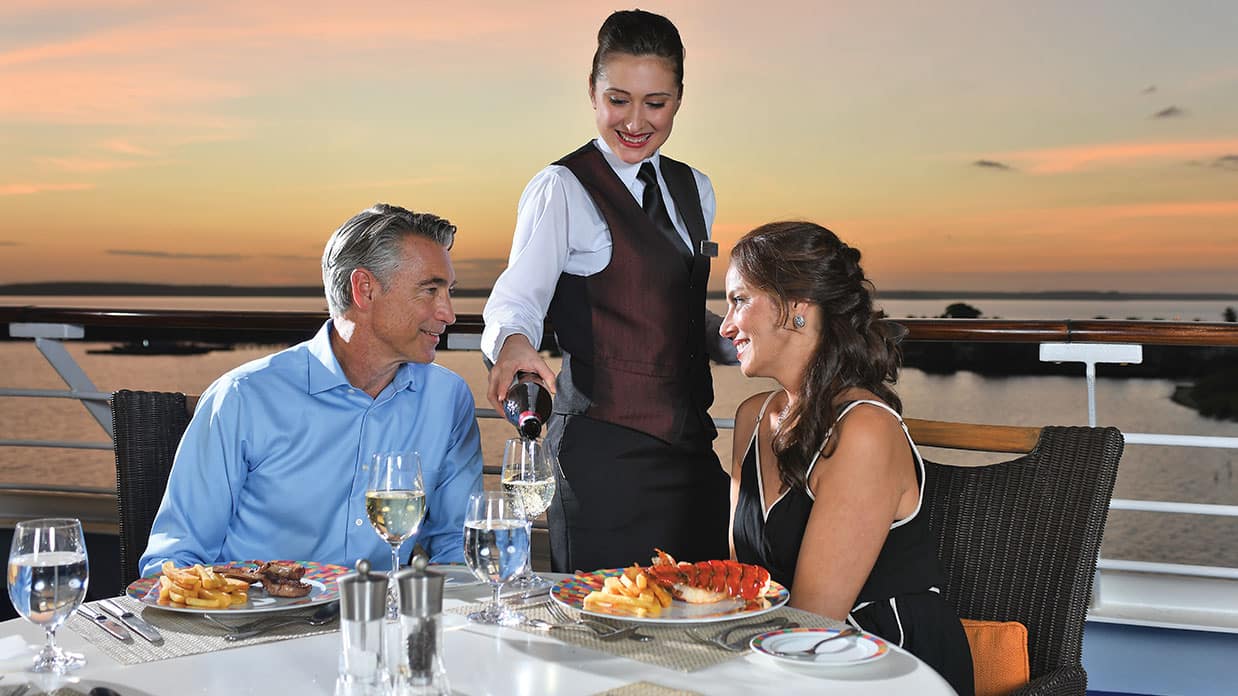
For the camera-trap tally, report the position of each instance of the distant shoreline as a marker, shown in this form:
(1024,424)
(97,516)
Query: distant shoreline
(168,290)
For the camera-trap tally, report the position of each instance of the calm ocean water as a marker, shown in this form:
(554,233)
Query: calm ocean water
(1147,472)
(1172,310)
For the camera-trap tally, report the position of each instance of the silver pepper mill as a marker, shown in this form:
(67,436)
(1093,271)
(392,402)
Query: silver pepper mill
(420,670)
(363,610)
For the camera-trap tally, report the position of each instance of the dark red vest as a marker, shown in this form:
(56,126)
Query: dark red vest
(633,335)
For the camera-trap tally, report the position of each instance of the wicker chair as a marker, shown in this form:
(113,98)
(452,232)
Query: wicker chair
(147,427)
(1019,540)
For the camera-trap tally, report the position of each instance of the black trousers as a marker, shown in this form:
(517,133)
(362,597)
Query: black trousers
(621,493)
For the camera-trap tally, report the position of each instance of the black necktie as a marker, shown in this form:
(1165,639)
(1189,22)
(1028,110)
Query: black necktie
(655,208)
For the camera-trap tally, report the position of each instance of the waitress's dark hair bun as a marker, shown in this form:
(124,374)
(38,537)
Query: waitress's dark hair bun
(638,33)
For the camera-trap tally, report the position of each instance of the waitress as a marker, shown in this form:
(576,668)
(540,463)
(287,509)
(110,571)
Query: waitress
(612,245)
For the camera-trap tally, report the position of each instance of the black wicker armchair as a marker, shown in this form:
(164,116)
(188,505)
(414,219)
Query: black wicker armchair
(147,427)
(1019,540)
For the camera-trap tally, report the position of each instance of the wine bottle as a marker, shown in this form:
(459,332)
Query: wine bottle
(527,405)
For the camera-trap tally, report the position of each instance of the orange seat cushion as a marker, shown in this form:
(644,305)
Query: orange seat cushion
(999,655)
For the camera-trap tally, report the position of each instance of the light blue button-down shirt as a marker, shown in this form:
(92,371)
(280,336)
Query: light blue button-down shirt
(275,463)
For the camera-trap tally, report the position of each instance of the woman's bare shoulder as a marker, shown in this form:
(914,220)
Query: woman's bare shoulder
(746,416)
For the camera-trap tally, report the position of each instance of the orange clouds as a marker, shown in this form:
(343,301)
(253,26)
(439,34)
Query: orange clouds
(1078,157)
(29,189)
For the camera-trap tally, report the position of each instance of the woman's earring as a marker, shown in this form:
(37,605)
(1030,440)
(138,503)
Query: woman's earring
(798,321)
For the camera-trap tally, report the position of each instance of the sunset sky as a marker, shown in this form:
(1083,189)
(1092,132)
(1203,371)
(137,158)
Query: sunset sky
(960,145)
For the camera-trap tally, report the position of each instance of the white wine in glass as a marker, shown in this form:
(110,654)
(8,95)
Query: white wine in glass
(528,477)
(48,573)
(395,515)
(395,502)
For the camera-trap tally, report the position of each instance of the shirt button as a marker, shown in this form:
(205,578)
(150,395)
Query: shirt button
(358,522)
(352,391)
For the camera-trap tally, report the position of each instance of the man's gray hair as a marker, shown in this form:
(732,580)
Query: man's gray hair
(372,239)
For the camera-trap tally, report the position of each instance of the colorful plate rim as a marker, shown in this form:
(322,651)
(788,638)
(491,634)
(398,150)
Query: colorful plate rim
(571,591)
(758,646)
(320,575)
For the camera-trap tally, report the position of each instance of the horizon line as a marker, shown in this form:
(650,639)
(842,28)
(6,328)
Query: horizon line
(107,288)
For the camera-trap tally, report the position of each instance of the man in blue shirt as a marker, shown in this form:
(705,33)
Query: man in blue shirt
(275,462)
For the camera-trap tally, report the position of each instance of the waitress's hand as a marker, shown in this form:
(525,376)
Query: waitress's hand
(516,355)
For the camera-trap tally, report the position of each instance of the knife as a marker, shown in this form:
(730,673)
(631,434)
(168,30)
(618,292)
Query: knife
(106,623)
(132,620)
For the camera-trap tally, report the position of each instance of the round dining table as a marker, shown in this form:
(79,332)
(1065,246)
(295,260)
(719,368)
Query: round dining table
(479,659)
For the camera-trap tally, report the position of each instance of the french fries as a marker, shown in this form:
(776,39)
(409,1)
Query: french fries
(199,586)
(632,594)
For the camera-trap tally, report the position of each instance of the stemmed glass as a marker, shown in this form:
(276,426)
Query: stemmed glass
(395,502)
(496,549)
(529,479)
(48,574)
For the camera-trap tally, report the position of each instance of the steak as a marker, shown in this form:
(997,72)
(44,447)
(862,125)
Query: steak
(282,571)
(242,573)
(283,579)
(296,588)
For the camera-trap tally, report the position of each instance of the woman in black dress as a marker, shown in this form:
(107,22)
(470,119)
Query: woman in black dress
(826,482)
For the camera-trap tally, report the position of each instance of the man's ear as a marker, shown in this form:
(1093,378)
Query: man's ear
(364,287)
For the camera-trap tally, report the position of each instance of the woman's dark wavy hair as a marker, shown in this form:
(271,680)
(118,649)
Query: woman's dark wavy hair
(803,261)
(638,33)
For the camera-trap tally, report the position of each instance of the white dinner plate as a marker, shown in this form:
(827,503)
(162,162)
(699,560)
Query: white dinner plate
(319,576)
(858,649)
(571,592)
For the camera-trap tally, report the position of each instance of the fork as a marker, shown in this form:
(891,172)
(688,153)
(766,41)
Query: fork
(739,645)
(616,634)
(604,631)
(325,615)
(558,613)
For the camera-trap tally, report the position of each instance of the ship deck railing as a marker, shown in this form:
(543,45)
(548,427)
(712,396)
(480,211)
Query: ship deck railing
(1140,593)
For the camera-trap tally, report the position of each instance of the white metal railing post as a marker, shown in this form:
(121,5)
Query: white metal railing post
(47,339)
(1090,354)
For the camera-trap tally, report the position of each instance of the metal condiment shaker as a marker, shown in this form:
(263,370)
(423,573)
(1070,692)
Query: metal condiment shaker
(420,670)
(363,609)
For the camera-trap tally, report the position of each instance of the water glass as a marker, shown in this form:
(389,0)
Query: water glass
(395,502)
(496,549)
(529,479)
(48,574)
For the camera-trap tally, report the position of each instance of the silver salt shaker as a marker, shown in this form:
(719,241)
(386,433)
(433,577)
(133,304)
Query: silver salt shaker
(420,670)
(363,609)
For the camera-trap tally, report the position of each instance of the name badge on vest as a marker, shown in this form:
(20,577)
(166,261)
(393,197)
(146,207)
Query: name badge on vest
(709,248)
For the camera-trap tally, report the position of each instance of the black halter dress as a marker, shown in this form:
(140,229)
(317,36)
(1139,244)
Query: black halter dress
(900,601)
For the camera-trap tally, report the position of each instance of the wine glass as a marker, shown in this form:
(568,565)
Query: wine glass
(496,549)
(395,502)
(529,479)
(48,574)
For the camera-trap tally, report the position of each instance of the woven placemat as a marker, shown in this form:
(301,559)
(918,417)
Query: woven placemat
(671,647)
(644,688)
(183,634)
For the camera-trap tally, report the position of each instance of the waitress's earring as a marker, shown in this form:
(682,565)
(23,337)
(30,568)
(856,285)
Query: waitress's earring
(798,321)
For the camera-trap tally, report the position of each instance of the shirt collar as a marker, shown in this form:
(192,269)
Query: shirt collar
(326,373)
(626,172)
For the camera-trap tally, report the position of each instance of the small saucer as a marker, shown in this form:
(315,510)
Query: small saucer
(858,649)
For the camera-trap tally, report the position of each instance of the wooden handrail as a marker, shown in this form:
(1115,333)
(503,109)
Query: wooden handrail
(973,436)
(1179,333)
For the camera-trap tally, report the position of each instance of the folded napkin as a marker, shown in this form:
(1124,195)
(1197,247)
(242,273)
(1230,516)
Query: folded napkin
(671,646)
(15,654)
(184,633)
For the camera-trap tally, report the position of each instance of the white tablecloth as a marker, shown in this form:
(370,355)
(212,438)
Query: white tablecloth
(480,660)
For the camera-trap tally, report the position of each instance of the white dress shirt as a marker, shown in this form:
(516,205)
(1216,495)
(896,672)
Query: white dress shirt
(559,230)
